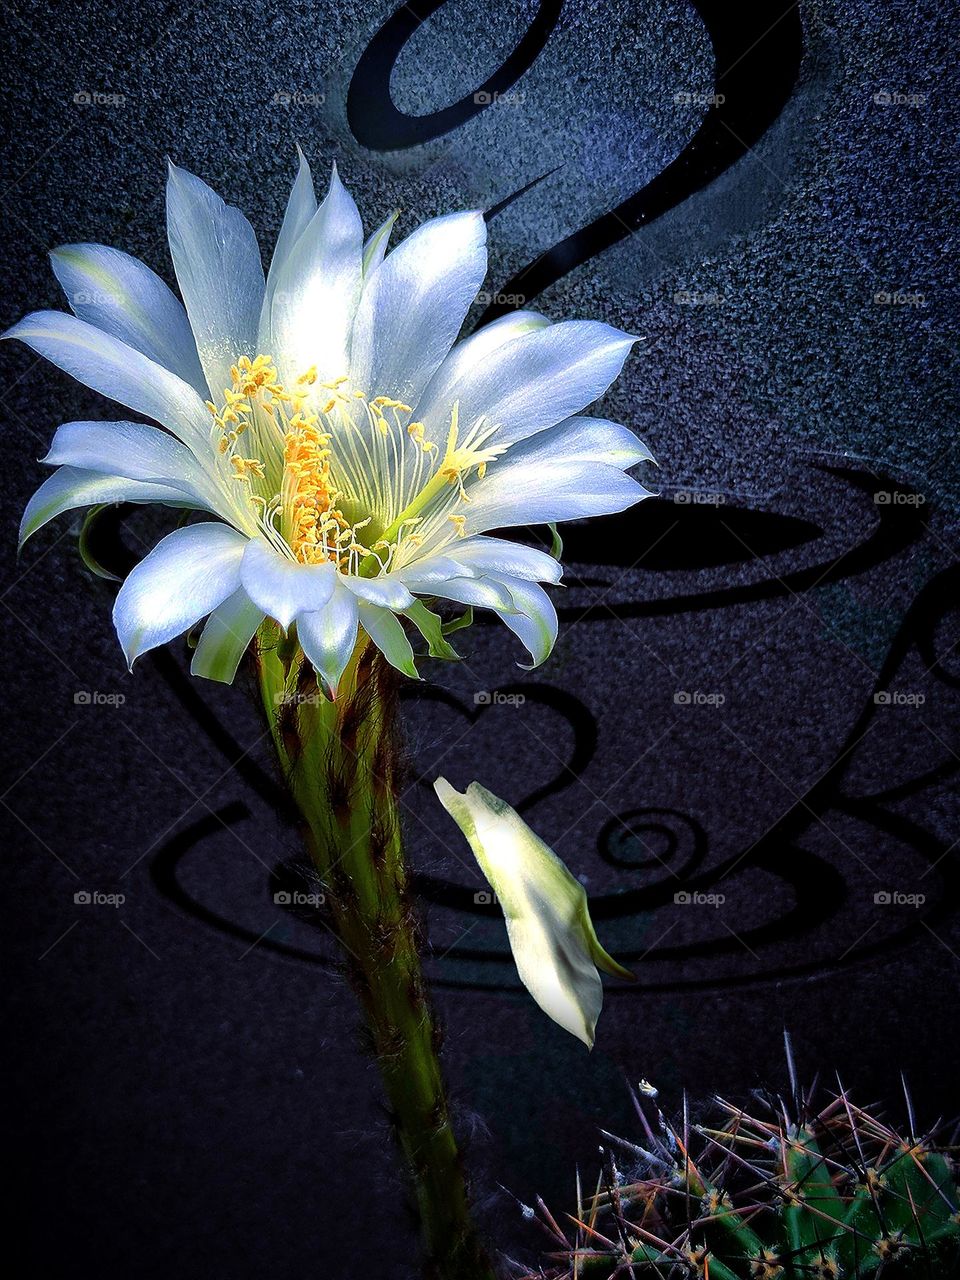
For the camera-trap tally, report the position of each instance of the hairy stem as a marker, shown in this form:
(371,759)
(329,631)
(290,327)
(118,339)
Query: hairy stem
(341,762)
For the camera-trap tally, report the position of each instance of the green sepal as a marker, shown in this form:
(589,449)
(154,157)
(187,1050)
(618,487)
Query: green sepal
(556,542)
(90,520)
(458,624)
(430,626)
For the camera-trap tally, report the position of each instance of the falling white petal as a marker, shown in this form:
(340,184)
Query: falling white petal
(554,944)
(184,578)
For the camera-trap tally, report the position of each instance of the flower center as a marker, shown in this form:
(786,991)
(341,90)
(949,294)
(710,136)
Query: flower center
(322,462)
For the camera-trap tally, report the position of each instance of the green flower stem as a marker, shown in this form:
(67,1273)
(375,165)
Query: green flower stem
(341,761)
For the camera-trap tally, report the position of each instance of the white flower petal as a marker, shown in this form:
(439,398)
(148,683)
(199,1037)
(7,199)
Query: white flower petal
(376,246)
(301,206)
(217,263)
(580,439)
(486,593)
(328,636)
(497,556)
(134,450)
(281,587)
(554,944)
(123,297)
(384,591)
(69,488)
(535,624)
(414,303)
(184,577)
(225,638)
(465,362)
(117,371)
(316,292)
(423,574)
(387,633)
(524,493)
(533,382)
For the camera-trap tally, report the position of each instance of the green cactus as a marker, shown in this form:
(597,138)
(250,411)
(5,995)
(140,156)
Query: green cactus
(811,1188)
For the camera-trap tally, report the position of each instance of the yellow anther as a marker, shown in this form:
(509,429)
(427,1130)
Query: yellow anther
(245,467)
(458,523)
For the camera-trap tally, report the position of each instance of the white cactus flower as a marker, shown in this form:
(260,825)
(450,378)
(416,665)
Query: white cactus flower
(353,453)
(552,937)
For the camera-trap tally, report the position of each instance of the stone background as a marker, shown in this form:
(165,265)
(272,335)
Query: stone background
(755,693)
